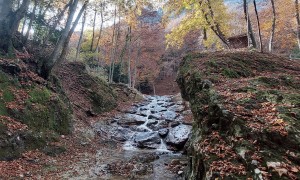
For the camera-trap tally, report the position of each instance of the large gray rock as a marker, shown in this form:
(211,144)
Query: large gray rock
(178,136)
(147,140)
(131,119)
(169,115)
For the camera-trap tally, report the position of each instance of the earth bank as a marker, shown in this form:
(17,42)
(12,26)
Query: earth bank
(246,115)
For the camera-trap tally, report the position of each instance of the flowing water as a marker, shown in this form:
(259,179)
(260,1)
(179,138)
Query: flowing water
(145,142)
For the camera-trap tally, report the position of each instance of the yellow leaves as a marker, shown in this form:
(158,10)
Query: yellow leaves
(197,17)
(278,122)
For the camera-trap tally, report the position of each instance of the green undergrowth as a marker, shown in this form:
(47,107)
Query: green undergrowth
(46,113)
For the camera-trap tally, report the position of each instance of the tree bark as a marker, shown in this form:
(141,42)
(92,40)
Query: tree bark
(136,64)
(9,23)
(250,34)
(273,27)
(214,26)
(258,27)
(110,77)
(129,58)
(93,36)
(32,15)
(81,35)
(58,19)
(49,64)
(123,53)
(66,43)
(298,22)
(101,26)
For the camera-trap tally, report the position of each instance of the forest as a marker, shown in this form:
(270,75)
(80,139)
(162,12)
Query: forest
(149,89)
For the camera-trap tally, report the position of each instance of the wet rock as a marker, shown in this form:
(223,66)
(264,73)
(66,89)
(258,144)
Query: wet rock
(152,122)
(154,116)
(178,136)
(131,119)
(143,109)
(142,113)
(132,110)
(174,124)
(169,115)
(147,140)
(163,132)
(121,134)
(177,108)
(157,109)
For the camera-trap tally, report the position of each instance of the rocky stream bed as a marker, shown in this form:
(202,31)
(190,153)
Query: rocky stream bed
(145,142)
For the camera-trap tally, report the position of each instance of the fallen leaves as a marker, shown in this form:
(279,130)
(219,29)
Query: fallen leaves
(12,125)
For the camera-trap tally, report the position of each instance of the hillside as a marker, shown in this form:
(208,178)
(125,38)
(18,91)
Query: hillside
(246,108)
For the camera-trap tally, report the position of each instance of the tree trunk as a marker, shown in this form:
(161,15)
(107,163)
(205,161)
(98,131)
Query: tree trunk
(93,36)
(273,27)
(24,24)
(110,77)
(250,34)
(215,26)
(9,23)
(66,43)
(129,58)
(258,27)
(117,37)
(123,53)
(298,22)
(49,64)
(136,64)
(58,19)
(101,26)
(81,35)
(31,21)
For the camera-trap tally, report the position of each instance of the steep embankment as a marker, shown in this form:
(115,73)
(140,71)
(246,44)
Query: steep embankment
(246,108)
(33,111)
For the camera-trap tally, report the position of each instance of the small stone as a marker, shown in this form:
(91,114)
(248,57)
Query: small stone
(254,162)
(180,173)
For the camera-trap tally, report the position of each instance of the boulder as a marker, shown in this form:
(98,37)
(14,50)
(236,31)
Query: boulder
(131,119)
(178,136)
(147,140)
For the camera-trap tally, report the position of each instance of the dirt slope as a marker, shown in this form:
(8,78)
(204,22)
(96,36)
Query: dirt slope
(246,108)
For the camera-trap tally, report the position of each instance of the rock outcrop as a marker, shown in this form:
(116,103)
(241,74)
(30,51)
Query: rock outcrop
(246,108)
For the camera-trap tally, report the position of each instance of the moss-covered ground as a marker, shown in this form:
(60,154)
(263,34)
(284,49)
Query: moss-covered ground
(246,109)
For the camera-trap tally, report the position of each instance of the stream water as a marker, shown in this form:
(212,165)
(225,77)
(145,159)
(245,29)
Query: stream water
(145,142)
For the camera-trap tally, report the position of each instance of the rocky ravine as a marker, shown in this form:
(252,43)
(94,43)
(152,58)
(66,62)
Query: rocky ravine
(144,142)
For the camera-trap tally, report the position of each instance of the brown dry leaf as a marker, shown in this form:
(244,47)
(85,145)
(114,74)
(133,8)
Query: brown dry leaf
(281,171)
(294,169)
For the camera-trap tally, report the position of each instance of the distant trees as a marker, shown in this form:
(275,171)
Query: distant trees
(209,16)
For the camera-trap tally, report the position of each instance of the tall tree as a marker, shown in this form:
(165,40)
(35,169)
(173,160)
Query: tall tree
(250,34)
(9,23)
(298,21)
(258,26)
(273,26)
(94,25)
(48,65)
(81,36)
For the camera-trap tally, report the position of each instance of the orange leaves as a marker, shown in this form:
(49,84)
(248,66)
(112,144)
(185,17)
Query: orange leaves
(12,124)
(227,168)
